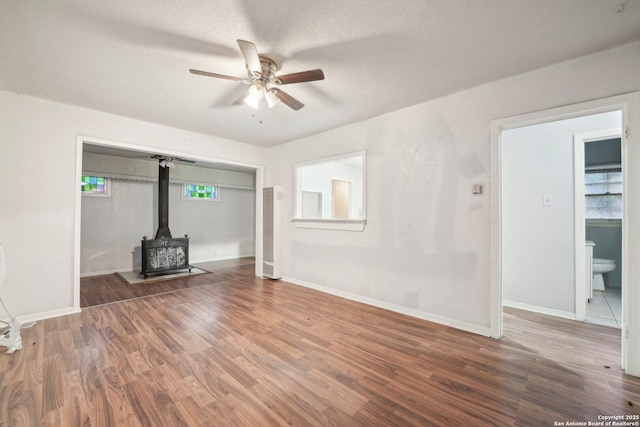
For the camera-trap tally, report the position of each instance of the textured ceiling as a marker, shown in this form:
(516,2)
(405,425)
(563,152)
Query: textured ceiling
(132,58)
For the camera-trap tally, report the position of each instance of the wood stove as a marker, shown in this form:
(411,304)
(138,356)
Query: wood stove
(164,254)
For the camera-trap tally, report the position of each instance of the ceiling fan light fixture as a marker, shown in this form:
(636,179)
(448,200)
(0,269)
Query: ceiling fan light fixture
(272,99)
(255,95)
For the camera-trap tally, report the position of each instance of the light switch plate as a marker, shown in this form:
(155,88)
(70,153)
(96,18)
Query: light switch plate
(547,200)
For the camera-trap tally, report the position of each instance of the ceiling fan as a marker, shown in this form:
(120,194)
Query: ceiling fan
(264,83)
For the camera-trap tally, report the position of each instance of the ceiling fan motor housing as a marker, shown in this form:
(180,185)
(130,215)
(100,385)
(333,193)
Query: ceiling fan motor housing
(268,75)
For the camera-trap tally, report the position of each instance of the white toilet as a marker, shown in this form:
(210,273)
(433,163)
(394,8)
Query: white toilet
(600,267)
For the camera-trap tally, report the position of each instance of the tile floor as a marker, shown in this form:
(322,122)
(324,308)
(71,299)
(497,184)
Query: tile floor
(605,308)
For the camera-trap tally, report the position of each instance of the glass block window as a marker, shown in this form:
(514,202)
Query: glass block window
(603,195)
(95,185)
(199,192)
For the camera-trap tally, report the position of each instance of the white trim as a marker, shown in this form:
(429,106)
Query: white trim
(542,310)
(630,105)
(259,229)
(331,158)
(77,227)
(201,261)
(495,291)
(464,326)
(98,273)
(47,314)
(579,221)
(331,224)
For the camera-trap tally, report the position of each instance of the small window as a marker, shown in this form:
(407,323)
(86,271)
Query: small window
(199,192)
(603,195)
(95,186)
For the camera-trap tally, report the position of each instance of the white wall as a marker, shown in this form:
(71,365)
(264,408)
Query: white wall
(426,246)
(38,141)
(218,230)
(112,227)
(538,245)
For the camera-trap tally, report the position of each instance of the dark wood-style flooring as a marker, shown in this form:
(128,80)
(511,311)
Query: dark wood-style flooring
(246,351)
(97,290)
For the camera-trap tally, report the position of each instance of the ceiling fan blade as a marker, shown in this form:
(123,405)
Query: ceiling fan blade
(251,57)
(288,99)
(220,76)
(303,76)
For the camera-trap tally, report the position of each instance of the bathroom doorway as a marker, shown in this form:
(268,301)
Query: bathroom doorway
(542,201)
(541,239)
(599,220)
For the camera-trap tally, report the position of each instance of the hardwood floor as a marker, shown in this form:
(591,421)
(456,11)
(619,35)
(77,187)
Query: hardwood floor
(248,351)
(109,288)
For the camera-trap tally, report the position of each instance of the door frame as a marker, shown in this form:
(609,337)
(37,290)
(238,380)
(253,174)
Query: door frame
(629,104)
(579,140)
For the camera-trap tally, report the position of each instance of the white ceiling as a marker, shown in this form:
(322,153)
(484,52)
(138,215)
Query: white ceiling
(132,58)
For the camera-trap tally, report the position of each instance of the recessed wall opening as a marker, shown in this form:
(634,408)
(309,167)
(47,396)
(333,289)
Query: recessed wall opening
(331,192)
(214,204)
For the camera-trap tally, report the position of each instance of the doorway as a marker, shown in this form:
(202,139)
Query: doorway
(599,202)
(629,108)
(541,240)
(312,204)
(341,198)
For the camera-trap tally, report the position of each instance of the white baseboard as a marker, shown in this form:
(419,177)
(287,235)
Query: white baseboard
(457,324)
(541,310)
(47,314)
(97,273)
(221,258)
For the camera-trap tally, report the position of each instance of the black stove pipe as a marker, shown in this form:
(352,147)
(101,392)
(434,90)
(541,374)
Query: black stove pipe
(163,203)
